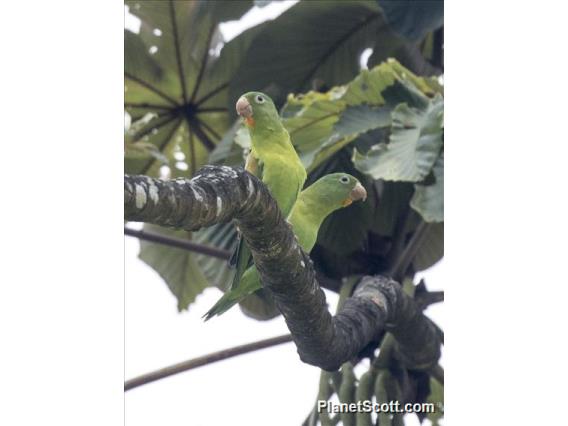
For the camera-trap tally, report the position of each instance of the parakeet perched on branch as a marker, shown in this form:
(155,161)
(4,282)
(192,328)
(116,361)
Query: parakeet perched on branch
(314,204)
(272,158)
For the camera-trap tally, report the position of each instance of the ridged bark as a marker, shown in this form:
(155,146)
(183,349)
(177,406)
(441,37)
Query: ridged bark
(219,194)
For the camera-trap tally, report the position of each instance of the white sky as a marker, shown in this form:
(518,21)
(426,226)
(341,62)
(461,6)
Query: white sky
(271,386)
(244,390)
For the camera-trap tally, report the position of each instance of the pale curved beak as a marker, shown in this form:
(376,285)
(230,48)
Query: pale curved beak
(358,193)
(244,108)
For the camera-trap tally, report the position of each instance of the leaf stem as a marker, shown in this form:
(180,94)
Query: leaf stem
(403,261)
(177,51)
(151,88)
(178,243)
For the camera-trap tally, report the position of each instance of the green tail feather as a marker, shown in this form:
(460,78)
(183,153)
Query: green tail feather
(225,303)
(235,255)
(242,261)
(249,284)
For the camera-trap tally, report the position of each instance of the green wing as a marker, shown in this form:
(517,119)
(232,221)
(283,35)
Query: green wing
(281,170)
(314,204)
(242,257)
(250,281)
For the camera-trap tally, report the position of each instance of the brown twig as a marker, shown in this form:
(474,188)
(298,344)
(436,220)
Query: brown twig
(179,243)
(204,360)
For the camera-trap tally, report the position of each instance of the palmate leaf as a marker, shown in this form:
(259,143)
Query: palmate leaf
(432,248)
(317,45)
(320,124)
(217,271)
(411,23)
(413,20)
(228,152)
(177,267)
(324,125)
(173,70)
(310,120)
(369,101)
(428,199)
(187,273)
(394,200)
(313,41)
(414,146)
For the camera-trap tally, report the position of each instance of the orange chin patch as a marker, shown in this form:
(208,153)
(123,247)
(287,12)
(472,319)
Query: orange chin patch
(347,202)
(249,121)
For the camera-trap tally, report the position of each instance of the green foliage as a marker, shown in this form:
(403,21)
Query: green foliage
(389,123)
(413,147)
(432,248)
(173,71)
(414,20)
(383,125)
(177,267)
(320,124)
(178,69)
(316,42)
(186,273)
(428,199)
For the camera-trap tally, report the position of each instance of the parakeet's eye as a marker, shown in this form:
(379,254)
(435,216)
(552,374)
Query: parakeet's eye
(344,179)
(259,99)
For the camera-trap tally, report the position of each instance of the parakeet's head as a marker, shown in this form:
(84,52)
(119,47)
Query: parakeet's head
(338,190)
(257,109)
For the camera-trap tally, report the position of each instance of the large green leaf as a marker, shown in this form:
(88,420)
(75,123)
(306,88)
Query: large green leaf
(414,39)
(188,273)
(325,126)
(177,267)
(319,44)
(223,236)
(310,120)
(228,152)
(181,83)
(394,199)
(413,20)
(432,248)
(173,70)
(428,199)
(141,149)
(414,146)
(320,124)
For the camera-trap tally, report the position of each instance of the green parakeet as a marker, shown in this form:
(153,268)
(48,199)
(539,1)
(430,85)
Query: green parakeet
(272,158)
(314,204)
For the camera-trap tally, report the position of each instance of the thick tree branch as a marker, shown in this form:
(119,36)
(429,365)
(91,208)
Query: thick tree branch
(323,280)
(417,337)
(219,194)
